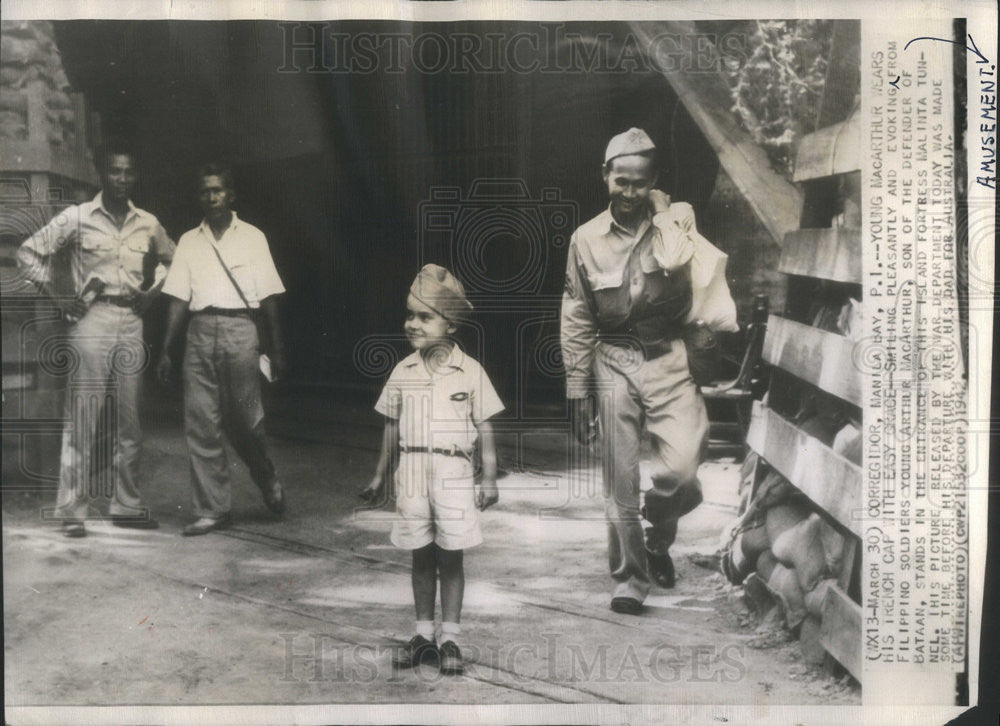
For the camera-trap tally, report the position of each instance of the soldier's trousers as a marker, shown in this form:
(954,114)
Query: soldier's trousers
(104,356)
(660,396)
(222,395)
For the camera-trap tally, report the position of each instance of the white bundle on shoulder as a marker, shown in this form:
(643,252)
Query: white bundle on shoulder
(679,240)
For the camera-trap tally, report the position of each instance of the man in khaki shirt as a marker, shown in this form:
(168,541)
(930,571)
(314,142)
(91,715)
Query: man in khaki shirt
(112,246)
(627,300)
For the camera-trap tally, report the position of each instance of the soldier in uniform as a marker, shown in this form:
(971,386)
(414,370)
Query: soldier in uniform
(627,299)
(113,246)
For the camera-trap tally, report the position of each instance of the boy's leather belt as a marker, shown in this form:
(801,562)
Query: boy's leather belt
(122,301)
(453,451)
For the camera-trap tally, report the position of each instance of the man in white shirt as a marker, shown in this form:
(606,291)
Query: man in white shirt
(112,247)
(223,275)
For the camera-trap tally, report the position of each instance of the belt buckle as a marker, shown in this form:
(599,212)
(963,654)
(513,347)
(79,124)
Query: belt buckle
(454,450)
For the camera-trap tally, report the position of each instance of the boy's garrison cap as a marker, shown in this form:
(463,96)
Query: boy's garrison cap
(438,289)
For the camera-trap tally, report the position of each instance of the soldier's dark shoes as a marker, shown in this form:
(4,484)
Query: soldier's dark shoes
(73,528)
(451,659)
(418,650)
(134,521)
(661,569)
(626,605)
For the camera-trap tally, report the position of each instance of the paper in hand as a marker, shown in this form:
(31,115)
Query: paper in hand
(265,368)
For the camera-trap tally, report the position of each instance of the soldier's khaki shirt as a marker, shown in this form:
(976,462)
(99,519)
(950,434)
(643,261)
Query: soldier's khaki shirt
(121,258)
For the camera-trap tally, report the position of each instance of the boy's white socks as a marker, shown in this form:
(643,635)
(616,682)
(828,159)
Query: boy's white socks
(450,631)
(426,629)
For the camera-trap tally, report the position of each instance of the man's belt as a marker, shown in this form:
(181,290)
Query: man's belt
(627,337)
(122,301)
(453,451)
(227,312)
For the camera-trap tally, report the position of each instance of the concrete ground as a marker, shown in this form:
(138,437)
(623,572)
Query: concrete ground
(304,609)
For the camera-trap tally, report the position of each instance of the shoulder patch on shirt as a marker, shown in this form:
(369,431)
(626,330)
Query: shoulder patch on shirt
(570,287)
(460,396)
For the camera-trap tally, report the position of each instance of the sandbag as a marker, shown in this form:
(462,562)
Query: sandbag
(754,541)
(801,548)
(834,544)
(781,518)
(785,586)
(739,558)
(765,565)
(734,564)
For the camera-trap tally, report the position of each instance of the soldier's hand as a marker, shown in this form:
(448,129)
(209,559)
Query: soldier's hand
(164,367)
(659,201)
(142,301)
(72,308)
(581,414)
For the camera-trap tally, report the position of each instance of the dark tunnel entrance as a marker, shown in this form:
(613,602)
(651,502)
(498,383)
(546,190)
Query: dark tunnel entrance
(358,178)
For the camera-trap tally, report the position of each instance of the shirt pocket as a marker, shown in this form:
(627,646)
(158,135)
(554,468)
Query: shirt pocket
(98,252)
(133,252)
(138,244)
(96,243)
(460,405)
(613,306)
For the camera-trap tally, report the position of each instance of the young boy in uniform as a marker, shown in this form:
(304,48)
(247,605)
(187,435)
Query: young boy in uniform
(437,403)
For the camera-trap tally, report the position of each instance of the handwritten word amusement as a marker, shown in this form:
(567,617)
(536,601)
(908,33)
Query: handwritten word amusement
(987,125)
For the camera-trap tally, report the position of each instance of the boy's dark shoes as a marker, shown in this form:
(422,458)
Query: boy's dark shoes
(418,650)
(451,659)
(73,528)
(626,605)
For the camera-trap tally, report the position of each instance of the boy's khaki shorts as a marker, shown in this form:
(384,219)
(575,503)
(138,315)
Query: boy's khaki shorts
(435,502)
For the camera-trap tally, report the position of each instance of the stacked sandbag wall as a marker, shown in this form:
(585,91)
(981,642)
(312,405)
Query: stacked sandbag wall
(782,536)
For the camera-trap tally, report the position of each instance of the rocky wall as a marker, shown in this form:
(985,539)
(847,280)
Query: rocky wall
(31,69)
